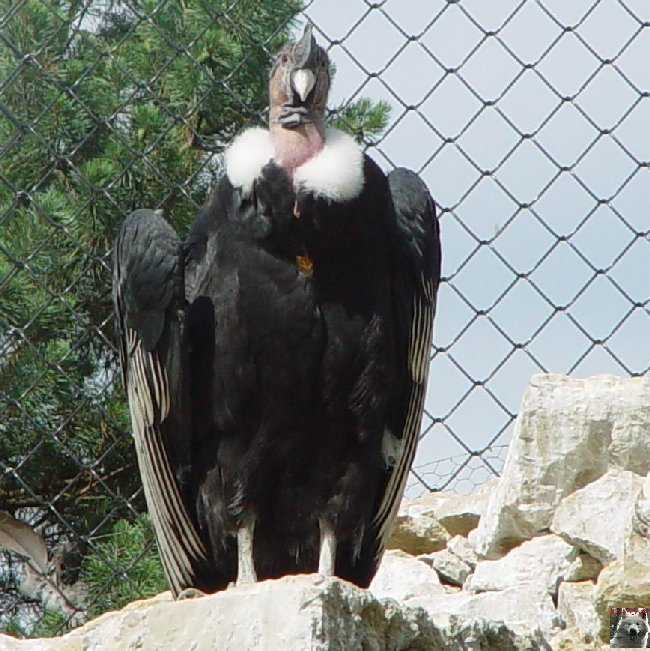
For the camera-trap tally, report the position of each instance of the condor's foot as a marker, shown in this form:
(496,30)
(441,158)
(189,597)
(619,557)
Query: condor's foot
(327,556)
(245,563)
(191,593)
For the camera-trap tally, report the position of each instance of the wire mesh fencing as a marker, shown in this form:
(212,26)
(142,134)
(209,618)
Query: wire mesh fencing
(527,120)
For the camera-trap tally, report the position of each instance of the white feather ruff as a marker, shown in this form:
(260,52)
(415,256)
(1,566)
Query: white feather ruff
(335,173)
(249,152)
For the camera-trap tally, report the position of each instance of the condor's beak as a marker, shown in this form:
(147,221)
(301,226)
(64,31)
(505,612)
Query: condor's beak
(303,77)
(303,81)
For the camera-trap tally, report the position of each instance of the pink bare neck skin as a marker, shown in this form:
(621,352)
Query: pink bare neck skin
(294,147)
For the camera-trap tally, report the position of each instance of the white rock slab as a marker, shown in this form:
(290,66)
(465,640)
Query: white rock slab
(461,513)
(576,607)
(571,639)
(297,613)
(449,567)
(544,562)
(479,634)
(300,613)
(585,568)
(402,576)
(461,548)
(626,581)
(567,434)
(417,530)
(598,517)
(520,608)
(623,583)
(472,540)
(636,552)
(641,517)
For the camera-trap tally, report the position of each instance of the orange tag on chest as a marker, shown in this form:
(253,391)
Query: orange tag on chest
(303,262)
(305,265)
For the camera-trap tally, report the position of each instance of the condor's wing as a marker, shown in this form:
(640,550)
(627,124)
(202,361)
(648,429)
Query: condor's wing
(149,303)
(416,275)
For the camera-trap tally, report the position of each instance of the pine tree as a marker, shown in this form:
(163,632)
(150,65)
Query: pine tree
(104,108)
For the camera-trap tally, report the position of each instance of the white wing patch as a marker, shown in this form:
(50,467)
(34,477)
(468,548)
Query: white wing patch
(420,339)
(149,403)
(418,352)
(391,448)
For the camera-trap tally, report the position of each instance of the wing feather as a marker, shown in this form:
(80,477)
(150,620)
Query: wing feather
(416,285)
(148,297)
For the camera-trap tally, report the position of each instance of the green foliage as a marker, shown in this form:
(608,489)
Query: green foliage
(97,121)
(13,627)
(101,116)
(364,119)
(50,624)
(130,547)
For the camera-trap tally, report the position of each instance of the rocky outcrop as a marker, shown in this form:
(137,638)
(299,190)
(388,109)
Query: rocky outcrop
(459,514)
(402,577)
(576,608)
(451,569)
(565,533)
(534,560)
(609,500)
(296,613)
(568,434)
(417,529)
(462,549)
(545,561)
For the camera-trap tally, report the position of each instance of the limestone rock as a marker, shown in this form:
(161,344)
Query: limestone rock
(622,584)
(544,561)
(297,613)
(472,540)
(461,548)
(628,413)
(461,513)
(576,608)
(451,589)
(417,530)
(402,576)
(522,608)
(567,433)
(637,546)
(641,518)
(571,639)
(477,634)
(449,567)
(585,568)
(578,462)
(625,583)
(426,504)
(598,517)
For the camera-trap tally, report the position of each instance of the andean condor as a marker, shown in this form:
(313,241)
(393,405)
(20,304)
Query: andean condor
(276,363)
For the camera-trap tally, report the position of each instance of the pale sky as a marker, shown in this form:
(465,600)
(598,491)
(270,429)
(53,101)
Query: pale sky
(506,129)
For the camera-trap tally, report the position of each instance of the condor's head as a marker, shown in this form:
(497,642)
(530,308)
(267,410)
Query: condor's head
(298,89)
(299,83)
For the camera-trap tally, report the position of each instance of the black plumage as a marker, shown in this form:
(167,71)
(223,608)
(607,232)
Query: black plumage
(276,362)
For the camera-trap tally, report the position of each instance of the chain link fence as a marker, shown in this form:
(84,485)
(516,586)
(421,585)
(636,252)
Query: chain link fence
(528,121)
